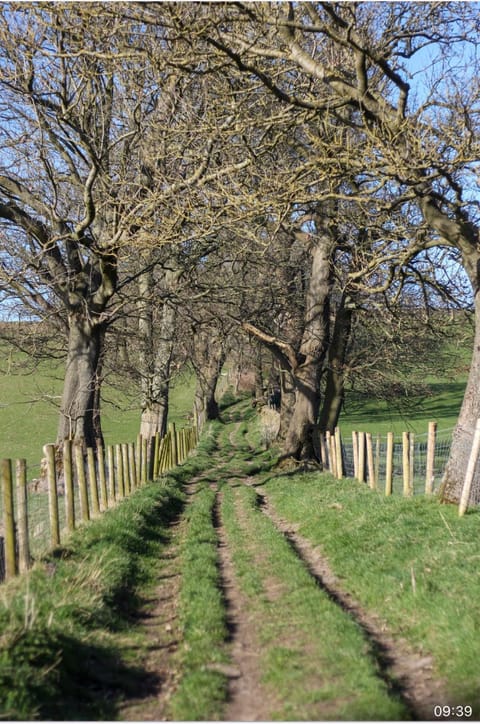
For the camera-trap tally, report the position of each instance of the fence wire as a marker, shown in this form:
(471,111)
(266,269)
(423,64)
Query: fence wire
(418,462)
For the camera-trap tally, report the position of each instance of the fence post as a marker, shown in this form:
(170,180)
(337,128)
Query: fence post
(173,445)
(412,461)
(331,454)
(69,493)
(49,452)
(431,442)
(92,479)
(355,453)
(125,468)
(101,477)
(132,466)
(120,480)
(338,453)
(361,457)
(377,459)
(22,516)
(389,465)
(139,459)
(8,519)
(407,488)
(371,468)
(323,450)
(144,470)
(472,461)
(111,474)
(156,455)
(82,483)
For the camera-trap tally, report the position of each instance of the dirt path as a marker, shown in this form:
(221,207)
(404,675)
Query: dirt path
(406,674)
(248,700)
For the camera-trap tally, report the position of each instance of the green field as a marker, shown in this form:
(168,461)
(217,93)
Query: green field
(29,403)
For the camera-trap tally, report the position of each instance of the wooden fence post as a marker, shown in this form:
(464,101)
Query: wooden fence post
(8,519)
(132,467)
(361,457)
(144,473)
(430,471)
(412,461)
(22,516)
(49,452)
(82,483)
(355,453)
(156,455)
(371,468)
(120,480)
(472,461)
(111,474)
(69,491)
(407,488)
(125,468)
(338,453)
(139,459)
(101,477)
(389,465)
(173,445)
(323,451)
(92,479)
(377,459)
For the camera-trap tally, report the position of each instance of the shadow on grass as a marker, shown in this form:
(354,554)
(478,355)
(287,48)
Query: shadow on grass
(68,665)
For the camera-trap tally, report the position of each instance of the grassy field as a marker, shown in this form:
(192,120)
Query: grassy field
(29,402)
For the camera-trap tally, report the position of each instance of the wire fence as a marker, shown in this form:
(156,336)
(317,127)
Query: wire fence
(418,449)
(407,464)
(72,486)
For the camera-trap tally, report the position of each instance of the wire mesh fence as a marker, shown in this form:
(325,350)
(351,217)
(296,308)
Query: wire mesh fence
(418,449)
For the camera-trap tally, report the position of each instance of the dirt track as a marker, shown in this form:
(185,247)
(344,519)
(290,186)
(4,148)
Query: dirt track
(407,676)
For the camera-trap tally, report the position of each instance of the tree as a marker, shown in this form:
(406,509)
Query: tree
(418,145)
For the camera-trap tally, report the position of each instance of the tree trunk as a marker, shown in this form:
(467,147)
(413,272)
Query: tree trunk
(287,403)
(299,441)
(156,350)
(79,414)
(462,438)
(335,377)
(209,358)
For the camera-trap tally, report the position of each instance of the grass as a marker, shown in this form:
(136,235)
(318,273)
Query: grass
(315,661)
(202,689)
(61,657)
(29,404)
(412,561)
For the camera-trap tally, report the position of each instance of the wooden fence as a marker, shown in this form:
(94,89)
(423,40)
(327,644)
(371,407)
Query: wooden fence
(80,486)
(413,461)
(410,465)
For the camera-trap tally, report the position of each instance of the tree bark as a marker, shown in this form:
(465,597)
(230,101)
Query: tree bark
(462,438)
(79,413)
(209,357)
(335,376)
(299,441)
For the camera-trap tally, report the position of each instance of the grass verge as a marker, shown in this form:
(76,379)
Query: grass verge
(67,625)
(412,561)
(316,663)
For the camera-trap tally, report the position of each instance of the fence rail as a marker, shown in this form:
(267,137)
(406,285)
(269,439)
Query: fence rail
(78,485)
